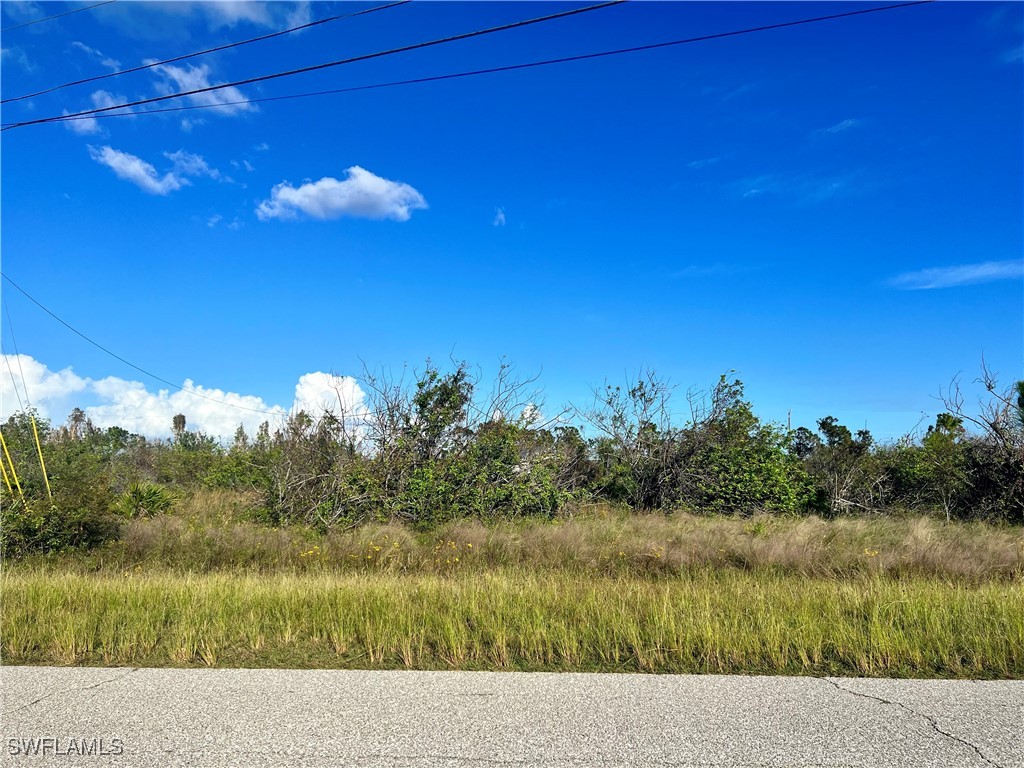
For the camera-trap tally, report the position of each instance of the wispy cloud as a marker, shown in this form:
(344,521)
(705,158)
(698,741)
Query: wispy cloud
(143,175)
(189,164)
(499,217)
(800,188)
(1013,55)
(90,125)
(842,125)
(106,61)
(964,274)
(740,90)
(172,79)
(137,171)
(705,161)
(17,56)
(362,194)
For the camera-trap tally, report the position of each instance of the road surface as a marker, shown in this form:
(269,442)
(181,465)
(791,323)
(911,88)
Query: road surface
(257,718)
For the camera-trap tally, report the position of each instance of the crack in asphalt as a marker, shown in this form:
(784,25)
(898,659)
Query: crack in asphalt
(72,690)
(927,718)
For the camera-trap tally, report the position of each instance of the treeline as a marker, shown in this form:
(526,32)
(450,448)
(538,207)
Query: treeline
(438,447)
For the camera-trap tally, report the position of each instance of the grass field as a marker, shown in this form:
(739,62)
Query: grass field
(711,621)
(602,590)
(211,532)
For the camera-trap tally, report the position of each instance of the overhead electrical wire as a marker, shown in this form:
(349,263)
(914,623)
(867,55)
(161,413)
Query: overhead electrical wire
(224,47)
(31,414)
(133,365)
(10,329)
(491,70)
(56,16)
(325,65)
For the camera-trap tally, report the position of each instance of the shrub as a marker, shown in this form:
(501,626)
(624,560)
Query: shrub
(144,500)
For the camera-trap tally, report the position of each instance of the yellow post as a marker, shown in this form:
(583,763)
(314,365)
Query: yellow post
(14,474)
(7,480)
(39,447)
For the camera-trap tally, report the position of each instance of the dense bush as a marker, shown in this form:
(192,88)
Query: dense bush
(431,450)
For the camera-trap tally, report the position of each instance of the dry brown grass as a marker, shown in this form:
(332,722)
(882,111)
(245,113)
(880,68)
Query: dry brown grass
(212,531)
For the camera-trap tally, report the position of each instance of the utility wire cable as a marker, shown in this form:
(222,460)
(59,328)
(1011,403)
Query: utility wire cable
(21,370)
(224,47)
(325,65)
(10,327)
(130,364)
(57,16)
(10,370)
(507,68)
(31,416)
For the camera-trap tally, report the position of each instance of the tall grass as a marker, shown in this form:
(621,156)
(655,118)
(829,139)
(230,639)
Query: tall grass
(707,621)
(211,532)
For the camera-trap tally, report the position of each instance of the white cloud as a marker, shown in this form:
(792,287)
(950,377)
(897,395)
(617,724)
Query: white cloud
(179,22)
(262,147)
(21,11)
(499,217)
(1013,55)
(704,162)
(145,176)
(214,220)
(319,392)
(230,13)
(106,61)
(84,126)
(803,189)
(362,194)
(188,164)
(964,274)
(137,171)
(42,386)
(842,125)
(16,55)
(130,405)
(90,125)
(173,79)
(113,401)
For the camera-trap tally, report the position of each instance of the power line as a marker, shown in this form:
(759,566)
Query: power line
(130,364)
(10,370)
(204,52)
(24,382)
(57,16)
(326,65)
(507,68)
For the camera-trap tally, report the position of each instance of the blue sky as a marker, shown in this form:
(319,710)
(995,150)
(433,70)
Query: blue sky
(832,210)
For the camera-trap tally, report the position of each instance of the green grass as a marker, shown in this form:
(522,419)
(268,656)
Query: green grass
(598,590)
(704,621)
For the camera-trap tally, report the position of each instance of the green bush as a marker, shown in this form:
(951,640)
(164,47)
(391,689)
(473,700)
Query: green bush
(37,527)
(144,500)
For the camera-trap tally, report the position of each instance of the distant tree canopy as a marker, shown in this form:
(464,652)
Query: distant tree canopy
(438,447)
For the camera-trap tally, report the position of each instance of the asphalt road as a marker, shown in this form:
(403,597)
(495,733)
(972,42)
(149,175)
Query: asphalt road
(256,718)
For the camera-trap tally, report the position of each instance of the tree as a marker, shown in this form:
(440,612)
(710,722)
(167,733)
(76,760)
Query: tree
(944,454)
(994,453)
(843,465)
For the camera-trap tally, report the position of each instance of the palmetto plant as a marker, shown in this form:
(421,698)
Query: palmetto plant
(145,500)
